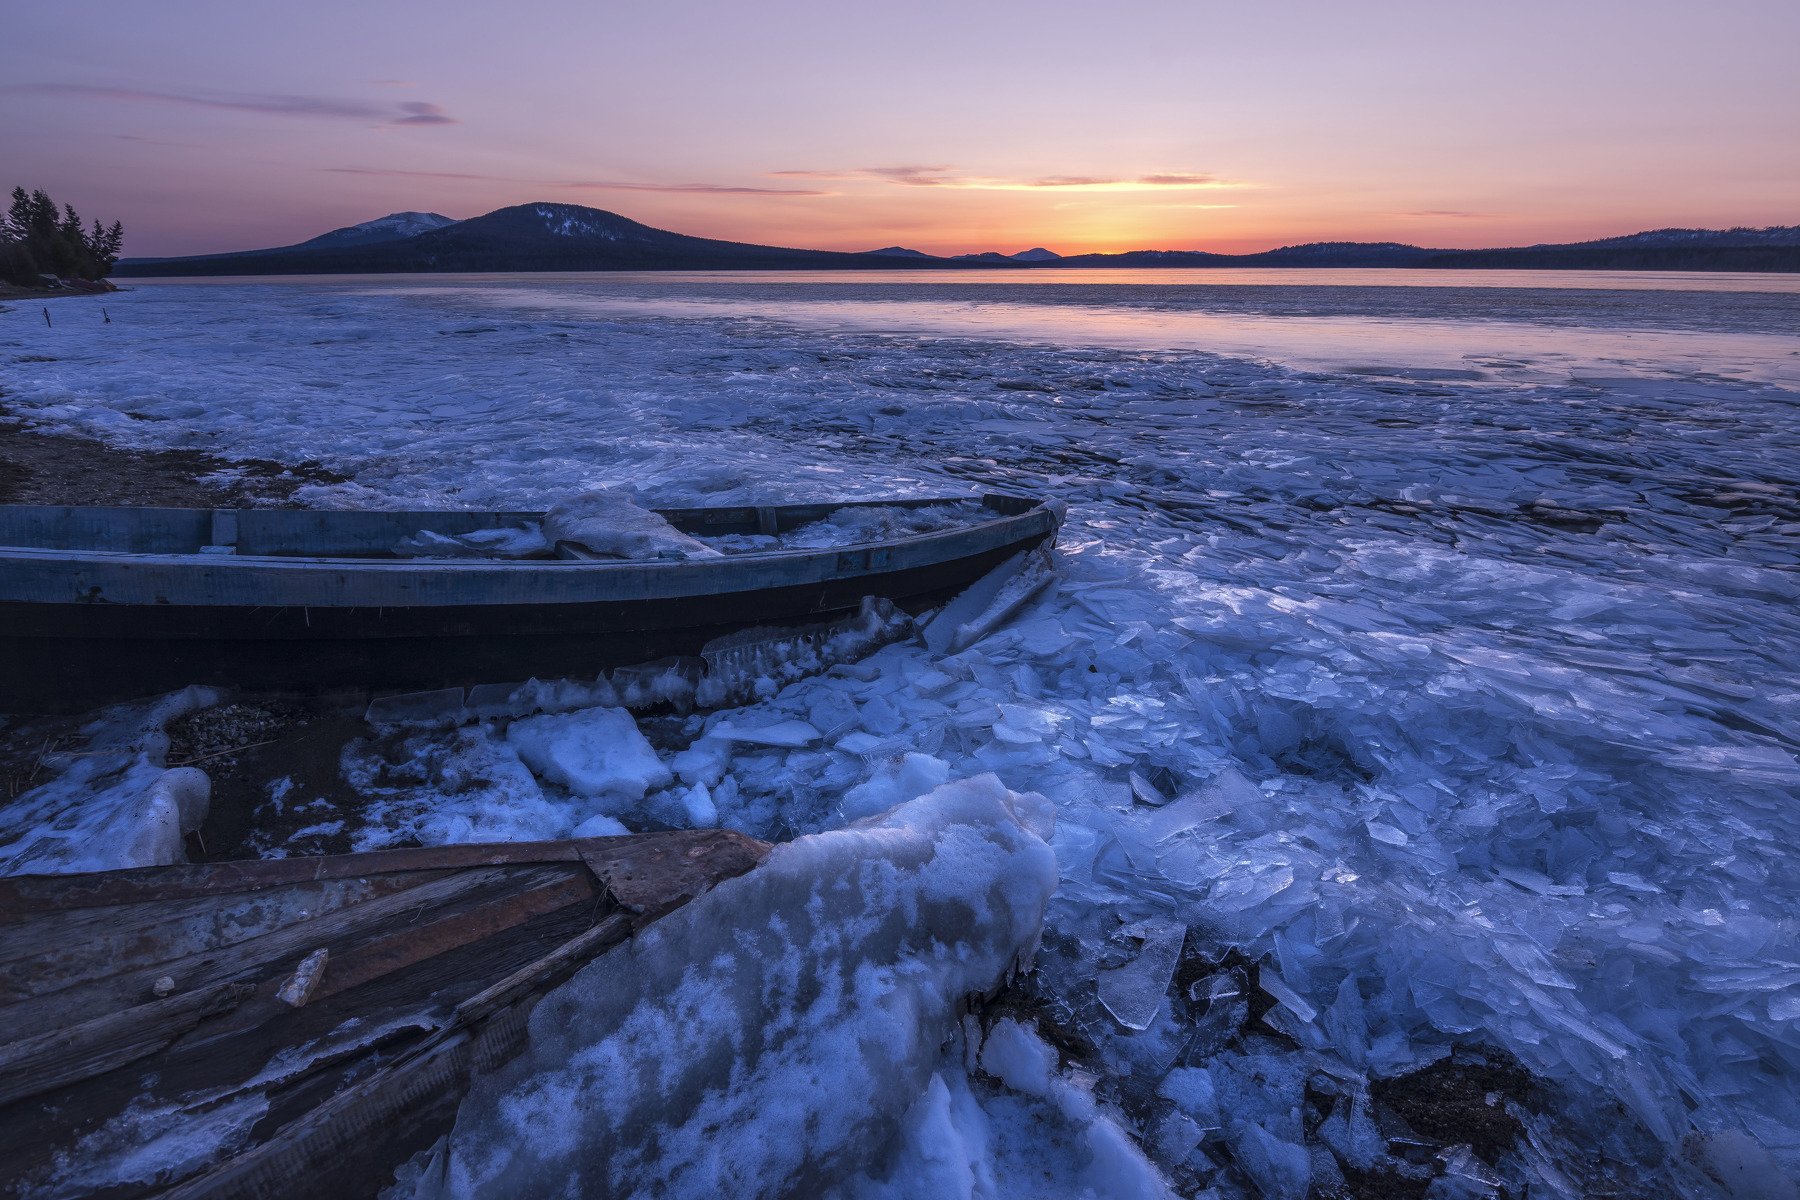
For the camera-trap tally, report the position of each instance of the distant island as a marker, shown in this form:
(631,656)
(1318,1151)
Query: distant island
(569,237)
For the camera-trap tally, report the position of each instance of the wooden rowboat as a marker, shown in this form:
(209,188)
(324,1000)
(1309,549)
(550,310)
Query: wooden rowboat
(296,1026)
(105,604)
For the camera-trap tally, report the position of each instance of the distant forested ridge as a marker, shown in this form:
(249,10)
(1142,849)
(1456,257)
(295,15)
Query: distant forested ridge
(568,237)
(38,238)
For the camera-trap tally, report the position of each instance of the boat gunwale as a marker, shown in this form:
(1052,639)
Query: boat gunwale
(799,554)
(43,576)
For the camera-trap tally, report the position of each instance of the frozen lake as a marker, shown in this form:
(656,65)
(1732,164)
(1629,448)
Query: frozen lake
(1450,617)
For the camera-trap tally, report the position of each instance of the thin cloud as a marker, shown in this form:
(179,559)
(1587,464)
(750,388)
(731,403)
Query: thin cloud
(398,173)
(413,113)
(420,112)
(1443,212)
(614,185)
(949,177)
(911,176)
(715,189)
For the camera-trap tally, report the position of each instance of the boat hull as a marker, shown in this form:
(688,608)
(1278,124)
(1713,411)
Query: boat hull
(77,632)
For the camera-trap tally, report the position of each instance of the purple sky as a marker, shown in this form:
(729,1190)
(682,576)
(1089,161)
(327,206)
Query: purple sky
(207,125)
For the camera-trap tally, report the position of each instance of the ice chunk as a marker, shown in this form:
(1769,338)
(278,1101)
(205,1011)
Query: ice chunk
(1191,1090)
(594,752)
(810,996)
(175,807)
(1134,992)
(525,540)
(610,523)
(1017,1057)
(1175,1138)
(702,812)
(112,805)
(1287,997)
(441,706)
(1280,1169)
(778,733)
(1249,884)
(987,603)
(895,783)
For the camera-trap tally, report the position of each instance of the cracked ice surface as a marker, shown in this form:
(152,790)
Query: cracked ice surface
(1465,708)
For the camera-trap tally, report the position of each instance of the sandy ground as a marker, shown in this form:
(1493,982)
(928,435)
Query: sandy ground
(43,468)
(12,291)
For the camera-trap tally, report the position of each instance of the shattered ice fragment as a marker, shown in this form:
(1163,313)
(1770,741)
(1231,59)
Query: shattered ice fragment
(1175,1137)
(861,742)
(782,733)
(1249,884)
(1191,1089)
(1133,993)
(988,603)
(416,708)
(1147,792)
(1287,997)
(1386,834)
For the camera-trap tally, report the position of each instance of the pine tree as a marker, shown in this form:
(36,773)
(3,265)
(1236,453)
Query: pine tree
(16,264)
(36,237)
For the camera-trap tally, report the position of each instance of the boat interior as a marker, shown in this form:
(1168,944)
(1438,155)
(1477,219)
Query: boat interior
(343,533)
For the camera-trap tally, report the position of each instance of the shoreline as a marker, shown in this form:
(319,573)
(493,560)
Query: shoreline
(58,468)
(80,287)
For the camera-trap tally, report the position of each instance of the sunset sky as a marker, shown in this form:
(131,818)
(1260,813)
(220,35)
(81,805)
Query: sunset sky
(947,127)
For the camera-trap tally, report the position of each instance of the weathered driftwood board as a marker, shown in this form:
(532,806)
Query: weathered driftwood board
(324,1013)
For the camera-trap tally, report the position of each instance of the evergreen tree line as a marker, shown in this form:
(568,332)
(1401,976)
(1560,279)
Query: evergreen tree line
(37,238)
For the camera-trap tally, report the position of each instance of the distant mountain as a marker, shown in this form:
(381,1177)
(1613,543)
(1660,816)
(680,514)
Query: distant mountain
(569,237)
(1774,235)
(1776,248)
(390,228)
(525,237)
(1773,249)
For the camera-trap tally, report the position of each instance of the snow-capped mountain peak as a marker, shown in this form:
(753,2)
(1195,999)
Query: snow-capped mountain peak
(390,228)
(404,224)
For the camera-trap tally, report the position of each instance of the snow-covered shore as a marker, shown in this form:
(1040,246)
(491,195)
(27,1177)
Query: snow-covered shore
(1380,712)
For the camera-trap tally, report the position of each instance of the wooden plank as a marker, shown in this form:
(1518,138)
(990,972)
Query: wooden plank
(351,1144)
(347,1119)
(46,1061)
(652,877)
(140,530)
(133,984)
(56,948)
(22,897)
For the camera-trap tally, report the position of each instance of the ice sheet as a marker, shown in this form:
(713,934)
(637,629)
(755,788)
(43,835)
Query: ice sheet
(1472,700)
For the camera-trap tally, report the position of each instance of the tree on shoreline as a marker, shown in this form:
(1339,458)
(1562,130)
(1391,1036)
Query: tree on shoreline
(37,239)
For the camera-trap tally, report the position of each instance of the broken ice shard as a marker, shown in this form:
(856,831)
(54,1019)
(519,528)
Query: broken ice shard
(1132,993)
